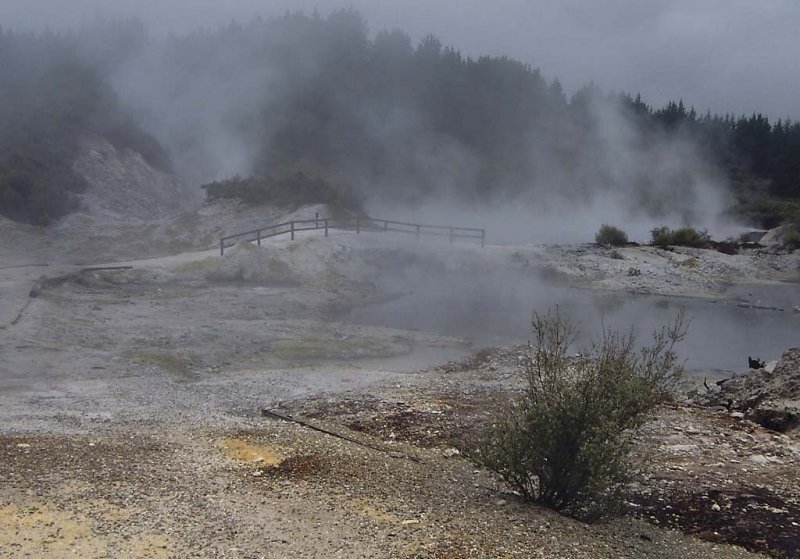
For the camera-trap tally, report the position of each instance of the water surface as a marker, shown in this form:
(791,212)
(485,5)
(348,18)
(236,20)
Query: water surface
(497,311)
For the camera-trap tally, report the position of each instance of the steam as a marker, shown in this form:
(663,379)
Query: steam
(226,102)
(620,178)
(214,110)
(200,112)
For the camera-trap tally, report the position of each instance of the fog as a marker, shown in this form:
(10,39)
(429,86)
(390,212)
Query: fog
(223,100)
(228,93)
(431,135)
(728,55)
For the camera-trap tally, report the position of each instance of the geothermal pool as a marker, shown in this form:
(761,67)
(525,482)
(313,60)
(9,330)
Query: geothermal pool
(496,311)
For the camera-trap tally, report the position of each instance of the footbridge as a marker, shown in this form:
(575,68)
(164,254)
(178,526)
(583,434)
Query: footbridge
(357,224)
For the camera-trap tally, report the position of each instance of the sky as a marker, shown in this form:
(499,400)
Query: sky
(737,56)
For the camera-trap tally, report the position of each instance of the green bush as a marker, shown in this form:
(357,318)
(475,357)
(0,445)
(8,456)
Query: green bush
(291,191)
(690,237)
(769,213)
(564,443)
(684,236)
(791,236)
(608,235)
(661,236)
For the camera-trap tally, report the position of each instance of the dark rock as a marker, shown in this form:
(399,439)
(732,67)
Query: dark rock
(774,418)
(771,399)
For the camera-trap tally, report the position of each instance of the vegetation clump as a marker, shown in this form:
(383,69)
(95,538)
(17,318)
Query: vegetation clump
(685,236)
(291,191)
(608,235)
(564,442)
(791,236)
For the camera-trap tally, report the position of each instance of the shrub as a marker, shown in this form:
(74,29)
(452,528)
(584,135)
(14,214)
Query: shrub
(564,443)
(661,236)
(608,235)
(289,191)
(791,236)
(690,237)
(684,236)
(770,213)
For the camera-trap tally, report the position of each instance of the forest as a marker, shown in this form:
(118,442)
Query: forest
(375,115)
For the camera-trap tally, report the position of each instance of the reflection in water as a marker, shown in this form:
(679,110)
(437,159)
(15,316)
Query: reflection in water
(493,310)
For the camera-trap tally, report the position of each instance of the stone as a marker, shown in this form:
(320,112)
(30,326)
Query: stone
(758,459)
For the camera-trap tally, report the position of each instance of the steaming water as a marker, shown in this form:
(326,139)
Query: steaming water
(493,311)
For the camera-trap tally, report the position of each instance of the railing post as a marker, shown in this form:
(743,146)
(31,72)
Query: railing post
(451,235)
(483,238)
(326,227)
(258,237)
(222,247)
(358,226)
(417,231)
(385,226)
(292,224)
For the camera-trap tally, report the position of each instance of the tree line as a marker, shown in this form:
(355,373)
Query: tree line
(379,115)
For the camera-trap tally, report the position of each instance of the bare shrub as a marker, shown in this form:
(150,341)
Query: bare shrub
(564,443)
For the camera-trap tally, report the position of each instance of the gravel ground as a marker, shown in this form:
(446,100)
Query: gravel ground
(130,410)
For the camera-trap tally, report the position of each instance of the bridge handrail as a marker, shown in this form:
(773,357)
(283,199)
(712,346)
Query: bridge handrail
(357,223)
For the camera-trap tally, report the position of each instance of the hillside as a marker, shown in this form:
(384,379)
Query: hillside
(393,122)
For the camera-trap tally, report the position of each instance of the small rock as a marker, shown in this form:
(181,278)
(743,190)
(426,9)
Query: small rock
(715,507)
(737,415)
(758,459)
(450,452)
(501,502)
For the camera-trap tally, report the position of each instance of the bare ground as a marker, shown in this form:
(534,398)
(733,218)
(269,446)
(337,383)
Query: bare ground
(131,418)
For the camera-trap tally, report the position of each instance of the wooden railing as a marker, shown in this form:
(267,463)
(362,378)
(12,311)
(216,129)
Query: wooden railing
(357,224)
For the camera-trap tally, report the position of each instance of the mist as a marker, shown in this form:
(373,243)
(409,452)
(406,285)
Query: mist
(713,54)
(281,96)
(409,125)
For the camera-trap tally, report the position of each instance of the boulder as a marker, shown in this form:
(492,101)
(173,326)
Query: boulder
(768,396)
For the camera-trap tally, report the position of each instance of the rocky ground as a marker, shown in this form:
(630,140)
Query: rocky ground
(130,410)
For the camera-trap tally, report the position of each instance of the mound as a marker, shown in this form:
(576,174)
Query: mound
(123,184)
(771,399)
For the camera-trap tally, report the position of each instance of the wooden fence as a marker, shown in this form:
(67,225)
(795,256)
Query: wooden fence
(357,224)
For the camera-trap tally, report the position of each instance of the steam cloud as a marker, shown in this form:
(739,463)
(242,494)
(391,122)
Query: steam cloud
(214,110)
(416,129)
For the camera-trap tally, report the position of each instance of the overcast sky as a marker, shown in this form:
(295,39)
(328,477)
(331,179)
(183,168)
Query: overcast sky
(728,55)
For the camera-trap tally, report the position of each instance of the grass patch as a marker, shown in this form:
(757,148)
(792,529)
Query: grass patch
(174,364)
